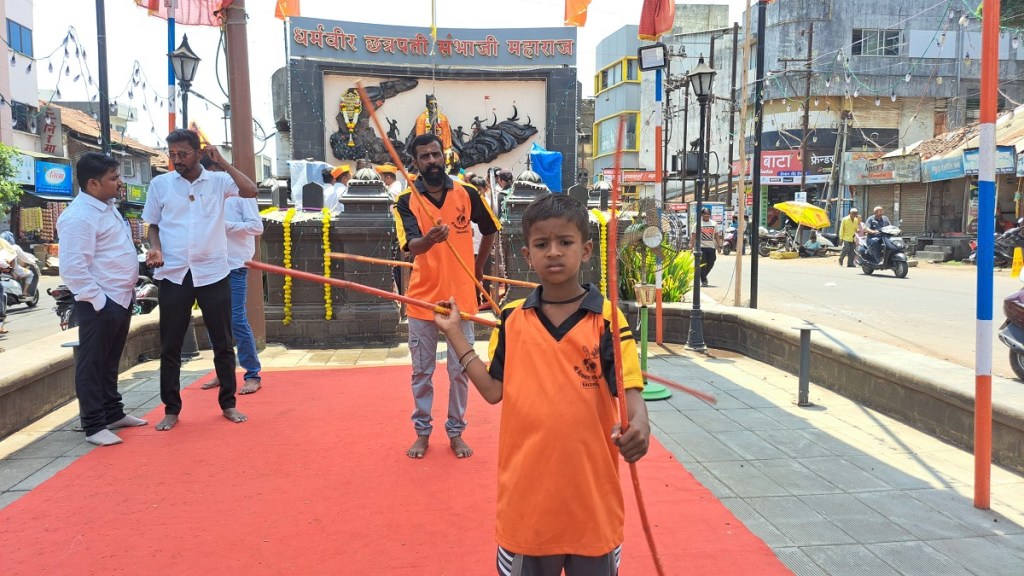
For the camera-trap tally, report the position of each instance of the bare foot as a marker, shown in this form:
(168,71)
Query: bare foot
(251,385)
(419,447)
(234,415)
(167,423)
(211,384)
(459,446)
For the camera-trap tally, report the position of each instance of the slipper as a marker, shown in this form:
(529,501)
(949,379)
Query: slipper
(4,331)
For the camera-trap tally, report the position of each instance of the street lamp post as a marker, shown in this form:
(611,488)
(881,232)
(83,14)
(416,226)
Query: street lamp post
(701,78)
(185,62)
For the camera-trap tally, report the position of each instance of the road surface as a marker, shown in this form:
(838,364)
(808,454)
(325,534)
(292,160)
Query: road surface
(932,311)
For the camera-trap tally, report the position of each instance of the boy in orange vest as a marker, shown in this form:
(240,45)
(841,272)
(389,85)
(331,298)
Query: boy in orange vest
(560,505)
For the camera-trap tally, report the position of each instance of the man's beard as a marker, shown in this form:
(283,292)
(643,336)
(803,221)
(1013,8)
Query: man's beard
(433,176)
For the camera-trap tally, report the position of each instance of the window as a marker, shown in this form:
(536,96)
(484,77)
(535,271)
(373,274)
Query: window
(128,167)
(631,69)
(607,132)
(876,42)
(19,37)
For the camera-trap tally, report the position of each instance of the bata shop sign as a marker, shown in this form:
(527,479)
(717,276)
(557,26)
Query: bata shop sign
(783,167)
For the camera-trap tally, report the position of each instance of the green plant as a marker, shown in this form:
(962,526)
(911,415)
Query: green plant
(10,191)
(639,265)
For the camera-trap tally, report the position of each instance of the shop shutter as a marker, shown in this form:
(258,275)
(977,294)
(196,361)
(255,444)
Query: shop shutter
(879,196)
(913,199)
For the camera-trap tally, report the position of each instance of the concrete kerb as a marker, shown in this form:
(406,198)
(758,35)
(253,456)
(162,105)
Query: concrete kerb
(932,395)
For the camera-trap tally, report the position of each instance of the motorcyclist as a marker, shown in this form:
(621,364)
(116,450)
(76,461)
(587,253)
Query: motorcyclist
(24,266)
(874,225)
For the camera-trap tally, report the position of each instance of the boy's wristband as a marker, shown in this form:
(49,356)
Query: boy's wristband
(472,356)
(464,354)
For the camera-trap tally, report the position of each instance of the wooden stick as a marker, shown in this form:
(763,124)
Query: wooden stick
(415,193)
(613,296)
(364,289)
(402,264)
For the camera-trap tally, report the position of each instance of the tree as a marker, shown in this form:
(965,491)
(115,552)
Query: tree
(1011,12)
(10,191)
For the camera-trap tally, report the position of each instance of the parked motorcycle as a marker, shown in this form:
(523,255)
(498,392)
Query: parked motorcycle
(65,306)
(1003,247)
(14,293)
(893,253)
(1011,332)
(774,240)
(729,241)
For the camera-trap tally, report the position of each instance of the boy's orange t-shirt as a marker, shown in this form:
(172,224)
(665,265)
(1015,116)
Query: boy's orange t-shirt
(558,469)
(436,274)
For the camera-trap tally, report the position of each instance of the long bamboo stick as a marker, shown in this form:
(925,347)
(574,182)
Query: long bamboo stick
(364,289)
(402,264)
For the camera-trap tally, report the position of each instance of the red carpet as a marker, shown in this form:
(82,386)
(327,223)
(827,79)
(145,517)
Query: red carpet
(317,482)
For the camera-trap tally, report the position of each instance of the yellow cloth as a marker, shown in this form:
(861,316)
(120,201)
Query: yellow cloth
(848,228)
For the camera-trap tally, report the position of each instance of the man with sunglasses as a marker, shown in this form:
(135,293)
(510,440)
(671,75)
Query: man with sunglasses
(188,252)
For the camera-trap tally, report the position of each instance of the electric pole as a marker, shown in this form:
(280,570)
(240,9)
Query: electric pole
(805,122)
(762,13)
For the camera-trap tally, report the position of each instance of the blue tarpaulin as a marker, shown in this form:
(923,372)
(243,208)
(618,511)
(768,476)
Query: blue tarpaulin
(547,165)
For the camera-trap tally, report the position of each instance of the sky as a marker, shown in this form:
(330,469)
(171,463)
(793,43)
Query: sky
(133,36)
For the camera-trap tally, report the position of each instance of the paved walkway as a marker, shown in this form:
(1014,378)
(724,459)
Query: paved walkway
(833,489)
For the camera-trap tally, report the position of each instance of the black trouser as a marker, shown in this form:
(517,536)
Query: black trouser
(176,317)
(101,338)
(707,262)
(847,253)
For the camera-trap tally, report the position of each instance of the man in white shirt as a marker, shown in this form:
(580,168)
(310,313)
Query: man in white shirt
(99,265)
(333,193)
(243,224)
(188,251)
(389,175)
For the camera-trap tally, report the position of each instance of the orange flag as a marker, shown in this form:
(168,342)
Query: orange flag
(656,18)
(286,8)
(576,12)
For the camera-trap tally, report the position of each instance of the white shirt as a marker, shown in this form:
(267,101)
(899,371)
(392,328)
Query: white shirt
(332,197)
(97,255)
(191,220)
(243,224)
(395,190)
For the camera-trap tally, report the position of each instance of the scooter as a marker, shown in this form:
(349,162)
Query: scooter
(1003,246)
(13,292)
(1011,332)
(893,253)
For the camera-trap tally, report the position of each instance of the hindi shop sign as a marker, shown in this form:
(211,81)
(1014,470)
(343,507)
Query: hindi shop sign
(1006,163)
(357,42)
(632,176)
(879,171)
(53,179)
(945,168)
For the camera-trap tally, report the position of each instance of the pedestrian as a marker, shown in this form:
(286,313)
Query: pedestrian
(98,263)
(560,502)
(504,181)
(188,250)
(242,223)
(710,242)
(848,235)
(437,274)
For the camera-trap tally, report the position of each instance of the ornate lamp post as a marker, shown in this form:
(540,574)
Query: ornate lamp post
(185,62)
(701,78)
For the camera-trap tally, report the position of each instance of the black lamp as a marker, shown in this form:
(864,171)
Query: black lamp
(185,63)
(701,79)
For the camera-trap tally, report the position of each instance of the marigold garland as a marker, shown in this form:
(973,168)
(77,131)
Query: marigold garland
(287,229)
(328,307)
(603,222)
(267,211)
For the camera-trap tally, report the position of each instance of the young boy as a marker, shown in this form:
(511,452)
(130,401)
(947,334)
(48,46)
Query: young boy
(560,505)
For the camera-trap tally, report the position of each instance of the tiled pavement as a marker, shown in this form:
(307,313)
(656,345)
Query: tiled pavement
(833,489)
